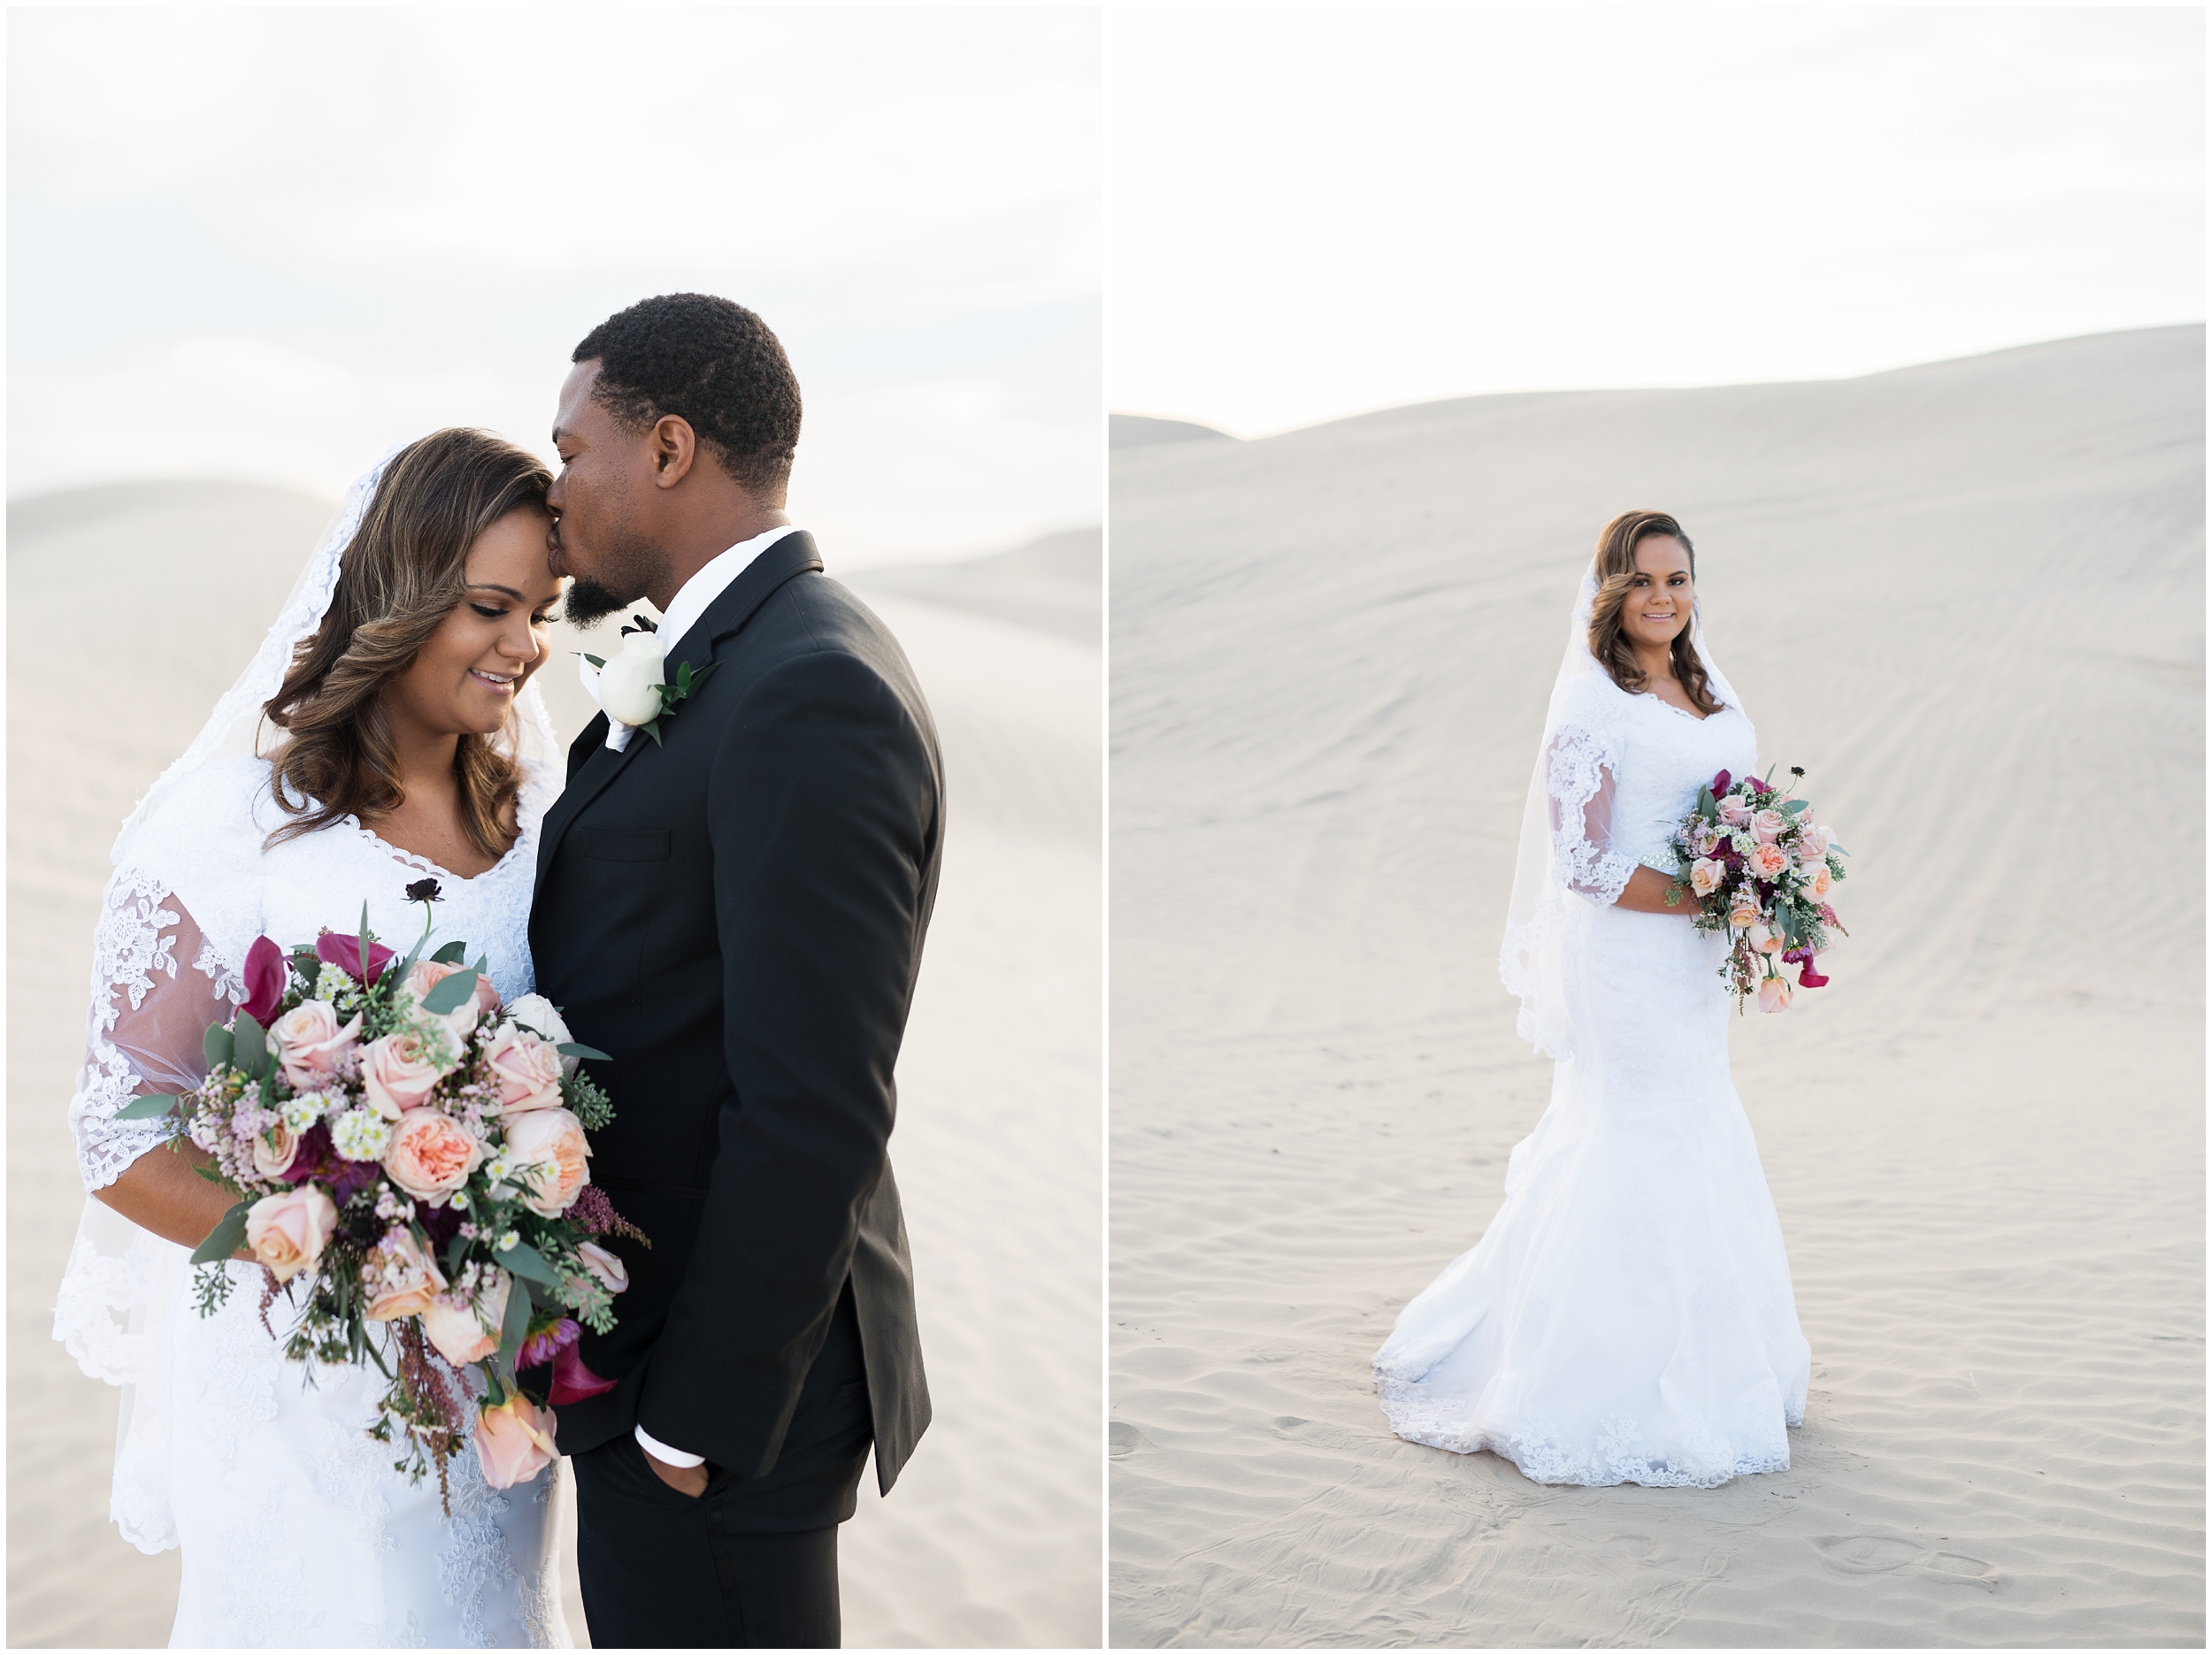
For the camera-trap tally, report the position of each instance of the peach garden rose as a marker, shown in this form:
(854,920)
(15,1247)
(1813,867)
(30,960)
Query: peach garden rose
(431,1154)
(401,1278)
(550,1143)
(527,1069)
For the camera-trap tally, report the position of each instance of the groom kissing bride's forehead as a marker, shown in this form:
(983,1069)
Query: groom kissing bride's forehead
(733,910)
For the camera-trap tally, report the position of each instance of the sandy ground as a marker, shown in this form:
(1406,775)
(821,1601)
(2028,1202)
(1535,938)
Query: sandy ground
(131,609)
(1969,598)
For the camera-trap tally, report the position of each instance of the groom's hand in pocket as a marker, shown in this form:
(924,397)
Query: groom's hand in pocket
(687,1479)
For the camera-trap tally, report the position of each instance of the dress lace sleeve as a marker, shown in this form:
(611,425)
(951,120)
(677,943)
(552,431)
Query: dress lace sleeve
(157,983)
(1579,776)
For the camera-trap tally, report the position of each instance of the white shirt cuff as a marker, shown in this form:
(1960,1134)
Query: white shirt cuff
(666,1455)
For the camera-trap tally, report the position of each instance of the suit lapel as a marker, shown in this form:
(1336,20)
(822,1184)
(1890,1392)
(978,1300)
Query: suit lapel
(794,555)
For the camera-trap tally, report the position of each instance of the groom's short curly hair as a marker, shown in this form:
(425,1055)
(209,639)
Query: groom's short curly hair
(712,363)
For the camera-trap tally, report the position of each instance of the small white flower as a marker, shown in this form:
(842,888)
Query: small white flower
(330,981)
(508,1240)
(361,1135)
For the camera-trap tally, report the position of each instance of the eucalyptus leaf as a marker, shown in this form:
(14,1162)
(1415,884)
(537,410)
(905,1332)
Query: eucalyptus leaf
(454,1249)
(249,1046)
(452,954)
(577,1048)
(226,1238)
(147,1108)
(513,1331)
(525,1260)
(449,994)
(215,1045)
(1792,806)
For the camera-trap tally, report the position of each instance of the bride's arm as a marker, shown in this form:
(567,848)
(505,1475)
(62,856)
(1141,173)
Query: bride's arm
(162,1191)
(155,988)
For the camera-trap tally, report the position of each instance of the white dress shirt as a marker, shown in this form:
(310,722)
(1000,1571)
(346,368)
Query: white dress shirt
(683,612)
(684,609)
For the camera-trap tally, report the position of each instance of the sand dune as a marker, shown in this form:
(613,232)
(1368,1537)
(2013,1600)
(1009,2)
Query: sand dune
(1056,584)
(992,1536)
(1969,598)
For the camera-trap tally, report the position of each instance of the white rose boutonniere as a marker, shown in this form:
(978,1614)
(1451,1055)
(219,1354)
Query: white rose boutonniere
(634,687)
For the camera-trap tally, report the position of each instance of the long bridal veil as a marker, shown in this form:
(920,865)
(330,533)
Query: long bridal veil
(1530,959)
(123,1284)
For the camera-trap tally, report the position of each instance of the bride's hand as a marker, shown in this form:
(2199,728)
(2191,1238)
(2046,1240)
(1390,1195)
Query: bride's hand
(1646,893)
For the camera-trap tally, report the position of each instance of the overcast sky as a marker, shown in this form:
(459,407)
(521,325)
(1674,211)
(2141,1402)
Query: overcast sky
(264,244)
(1315,213)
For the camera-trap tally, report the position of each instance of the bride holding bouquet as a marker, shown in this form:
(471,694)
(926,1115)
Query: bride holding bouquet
(410,769)
(1628,1316)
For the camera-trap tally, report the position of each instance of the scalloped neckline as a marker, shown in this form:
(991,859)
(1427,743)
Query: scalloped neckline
(423,864)
(1682,712)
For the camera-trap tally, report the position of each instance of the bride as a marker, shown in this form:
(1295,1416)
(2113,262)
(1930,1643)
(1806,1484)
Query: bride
(1627,1317)
(412,747)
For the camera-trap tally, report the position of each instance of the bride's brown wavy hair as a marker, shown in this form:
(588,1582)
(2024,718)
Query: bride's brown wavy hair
(1617,574)
(399,576)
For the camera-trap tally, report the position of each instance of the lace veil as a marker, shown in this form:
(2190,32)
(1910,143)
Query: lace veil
(1562,828)
(123,1283)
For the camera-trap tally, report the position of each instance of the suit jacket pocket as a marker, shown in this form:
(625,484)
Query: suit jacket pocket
(622,844)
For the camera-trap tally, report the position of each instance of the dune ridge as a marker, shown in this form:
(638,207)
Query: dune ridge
(992,1536)
(1969,598)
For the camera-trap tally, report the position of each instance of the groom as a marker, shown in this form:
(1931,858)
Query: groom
(734,911)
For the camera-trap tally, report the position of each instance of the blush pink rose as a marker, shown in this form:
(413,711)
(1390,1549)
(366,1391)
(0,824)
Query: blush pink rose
(1774,993)
(426,974)
(1705,877)
(528,1071)
(514,1441)
(397,1073)
(1767,827)
(275,1150)
(1762,936)
(431,1154)
(1768,860)
(311,1043)
(1735,810)
(454,1325)
(286,1232)
(550,1146)
(614,1274)
(401,1278)
(1743,912)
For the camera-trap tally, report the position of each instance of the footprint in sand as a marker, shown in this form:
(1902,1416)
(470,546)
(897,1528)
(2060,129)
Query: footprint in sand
(1123,1438)
(1882,1554)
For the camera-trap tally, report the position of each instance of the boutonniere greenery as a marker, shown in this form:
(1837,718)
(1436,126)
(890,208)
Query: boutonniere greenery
(633,687)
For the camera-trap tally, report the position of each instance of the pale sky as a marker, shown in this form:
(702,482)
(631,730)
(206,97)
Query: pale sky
(265,244)
(1318,211)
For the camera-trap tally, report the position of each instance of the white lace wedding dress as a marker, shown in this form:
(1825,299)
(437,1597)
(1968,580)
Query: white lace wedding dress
(294,1527)
(1627,1317)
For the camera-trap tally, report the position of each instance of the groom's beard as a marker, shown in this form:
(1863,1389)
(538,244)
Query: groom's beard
(588,602)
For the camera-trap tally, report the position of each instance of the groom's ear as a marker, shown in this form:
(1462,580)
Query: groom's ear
(674,447)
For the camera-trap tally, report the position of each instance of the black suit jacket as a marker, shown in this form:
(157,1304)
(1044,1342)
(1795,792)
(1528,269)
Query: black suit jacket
(736,918)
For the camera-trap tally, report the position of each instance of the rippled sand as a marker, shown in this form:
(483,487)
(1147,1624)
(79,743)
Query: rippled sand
(1970,599)
(130,611)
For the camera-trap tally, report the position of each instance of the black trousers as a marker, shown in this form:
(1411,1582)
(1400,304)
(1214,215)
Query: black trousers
(751,1563)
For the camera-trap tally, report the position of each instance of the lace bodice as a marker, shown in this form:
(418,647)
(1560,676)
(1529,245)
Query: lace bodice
(198,887)
(1623,771)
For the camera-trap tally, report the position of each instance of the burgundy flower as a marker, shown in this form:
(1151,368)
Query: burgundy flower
(345,952)
(573,1382)
(1720,784)
(264,981)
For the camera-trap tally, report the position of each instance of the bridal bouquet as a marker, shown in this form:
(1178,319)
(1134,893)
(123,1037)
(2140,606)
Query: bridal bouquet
(1760,871)
(415,1151)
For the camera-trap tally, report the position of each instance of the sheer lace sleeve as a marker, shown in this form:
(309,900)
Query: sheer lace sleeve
(1579,766)
(157,983)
